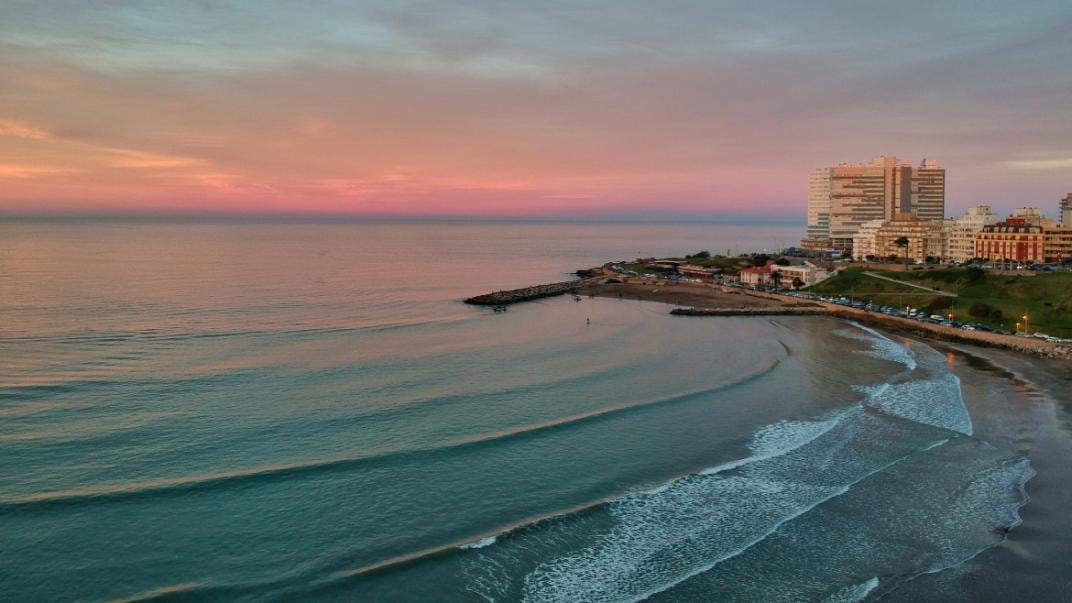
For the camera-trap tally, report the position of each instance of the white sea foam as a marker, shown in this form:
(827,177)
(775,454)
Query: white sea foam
(781,438)
(855,592)
(479,544)
(937,401)
(662,540)
(881,346)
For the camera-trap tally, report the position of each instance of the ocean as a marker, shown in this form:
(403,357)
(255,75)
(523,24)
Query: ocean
(264,411)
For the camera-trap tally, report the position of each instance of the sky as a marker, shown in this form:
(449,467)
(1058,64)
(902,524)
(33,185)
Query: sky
(548,108)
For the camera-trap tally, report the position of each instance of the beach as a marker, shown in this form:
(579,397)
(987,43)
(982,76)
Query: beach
(265,412)
(698,299)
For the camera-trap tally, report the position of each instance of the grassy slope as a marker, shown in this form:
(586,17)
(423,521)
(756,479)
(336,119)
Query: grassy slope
(1046,298)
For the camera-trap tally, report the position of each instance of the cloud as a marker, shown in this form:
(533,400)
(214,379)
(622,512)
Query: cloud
(1052,163)
(23,171)
(22,130)
(404,105)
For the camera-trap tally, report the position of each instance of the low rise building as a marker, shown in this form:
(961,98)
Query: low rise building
(1015,239)
(863,242)
(879,239)
(1057,244)
(806,273)
(706,274)
(757,276)
(958,234)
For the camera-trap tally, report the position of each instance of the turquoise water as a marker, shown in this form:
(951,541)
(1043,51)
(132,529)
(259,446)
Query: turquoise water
(307,411)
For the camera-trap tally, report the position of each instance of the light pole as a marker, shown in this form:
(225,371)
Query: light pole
(1025,323)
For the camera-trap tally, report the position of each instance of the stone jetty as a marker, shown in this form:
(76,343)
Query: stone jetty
(512,296)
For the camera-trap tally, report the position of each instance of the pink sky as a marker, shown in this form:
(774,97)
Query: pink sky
(498,109)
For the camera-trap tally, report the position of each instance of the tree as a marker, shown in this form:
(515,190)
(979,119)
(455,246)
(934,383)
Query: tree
(902,242)
(797,283)
(776,278)
(781,262)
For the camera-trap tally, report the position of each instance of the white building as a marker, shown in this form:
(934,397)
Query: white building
(958,234)
(863,242)
(808,273)
(818,234)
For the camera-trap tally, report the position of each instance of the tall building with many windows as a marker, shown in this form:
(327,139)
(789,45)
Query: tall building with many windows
(1066,210)
(928,191)
(860,193)
(818,235)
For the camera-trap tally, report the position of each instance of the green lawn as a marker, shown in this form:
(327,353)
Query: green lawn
(1046,298)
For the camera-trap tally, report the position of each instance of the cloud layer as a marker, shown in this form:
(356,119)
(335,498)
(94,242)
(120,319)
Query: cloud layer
(521,108)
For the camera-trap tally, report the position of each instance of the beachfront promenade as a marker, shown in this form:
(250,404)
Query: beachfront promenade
(790,305)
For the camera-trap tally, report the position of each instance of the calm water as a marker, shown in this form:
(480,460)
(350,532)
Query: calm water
(306,411)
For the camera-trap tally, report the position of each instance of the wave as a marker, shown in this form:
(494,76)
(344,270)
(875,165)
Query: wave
(854,592)
(243,476)
(781,438)
(632,562)
(479,544)
(881,346)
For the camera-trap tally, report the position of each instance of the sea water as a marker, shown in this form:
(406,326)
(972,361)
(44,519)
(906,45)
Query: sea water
(307,411)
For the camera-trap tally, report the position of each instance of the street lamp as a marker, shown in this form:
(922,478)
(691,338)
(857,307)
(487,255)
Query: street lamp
(1017,327)
(1025,323)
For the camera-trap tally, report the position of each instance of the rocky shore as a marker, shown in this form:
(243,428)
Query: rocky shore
(512,296)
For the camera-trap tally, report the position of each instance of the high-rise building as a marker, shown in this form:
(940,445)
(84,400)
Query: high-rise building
(1066,210)
(878,190)
(818,236)
(928,191)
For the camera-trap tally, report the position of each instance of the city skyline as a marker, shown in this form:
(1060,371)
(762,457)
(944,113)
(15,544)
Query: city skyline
(499,110)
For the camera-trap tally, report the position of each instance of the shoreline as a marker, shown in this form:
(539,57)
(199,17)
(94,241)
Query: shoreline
(697,299)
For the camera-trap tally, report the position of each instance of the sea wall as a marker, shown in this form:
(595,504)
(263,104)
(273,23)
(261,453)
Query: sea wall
(1039,347)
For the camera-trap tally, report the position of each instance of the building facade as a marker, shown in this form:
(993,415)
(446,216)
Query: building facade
(1057,244)
(878,239)
(958,234)
(818,233)
(1013,240)
(928,191)
(756,275)
(863,242)
(924,238)
(1066,210)
(807,273)
(851,194)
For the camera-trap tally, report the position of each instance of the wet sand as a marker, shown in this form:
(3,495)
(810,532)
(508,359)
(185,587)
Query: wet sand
(1022,405)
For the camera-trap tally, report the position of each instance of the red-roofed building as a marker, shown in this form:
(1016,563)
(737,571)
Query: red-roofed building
(757,275)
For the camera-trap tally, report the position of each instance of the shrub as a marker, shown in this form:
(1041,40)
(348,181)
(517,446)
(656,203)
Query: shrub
(980,310)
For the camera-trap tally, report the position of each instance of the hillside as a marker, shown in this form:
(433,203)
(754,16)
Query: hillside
(997,300)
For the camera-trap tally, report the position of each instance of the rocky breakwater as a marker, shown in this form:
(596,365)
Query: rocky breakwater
(512,296)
